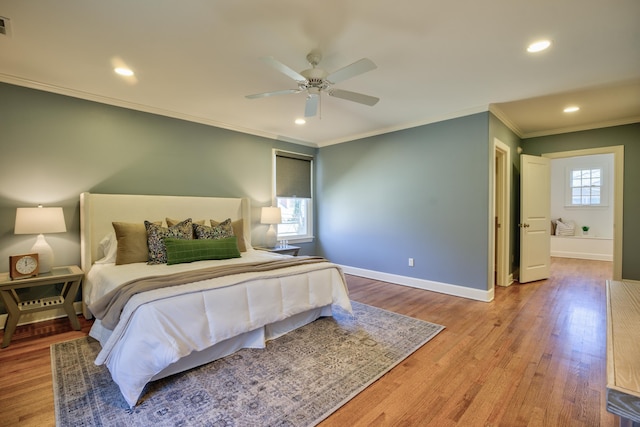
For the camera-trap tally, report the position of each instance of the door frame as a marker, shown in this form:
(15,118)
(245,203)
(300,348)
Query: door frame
(500,206)
(618,185)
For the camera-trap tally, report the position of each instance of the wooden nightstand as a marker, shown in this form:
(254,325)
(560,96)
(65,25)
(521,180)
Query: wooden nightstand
(285,250)
(69,276)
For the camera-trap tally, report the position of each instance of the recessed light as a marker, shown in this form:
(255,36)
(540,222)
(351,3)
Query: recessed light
(123,71)
(538,46)
(300,121)
(571,109)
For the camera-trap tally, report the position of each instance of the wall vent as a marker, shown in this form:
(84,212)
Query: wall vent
(5,27)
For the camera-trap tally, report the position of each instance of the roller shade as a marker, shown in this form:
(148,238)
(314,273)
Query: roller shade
(293,175)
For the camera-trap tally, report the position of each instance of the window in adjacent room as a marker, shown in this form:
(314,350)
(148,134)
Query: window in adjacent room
(586,187)
(293,194)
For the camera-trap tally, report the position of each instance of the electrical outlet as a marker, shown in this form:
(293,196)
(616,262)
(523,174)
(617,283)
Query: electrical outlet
(410,262)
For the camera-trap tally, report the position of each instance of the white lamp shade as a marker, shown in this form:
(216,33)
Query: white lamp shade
(271,215)
(39,220)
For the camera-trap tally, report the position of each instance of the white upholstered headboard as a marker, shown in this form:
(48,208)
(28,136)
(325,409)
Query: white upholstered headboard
(98,211)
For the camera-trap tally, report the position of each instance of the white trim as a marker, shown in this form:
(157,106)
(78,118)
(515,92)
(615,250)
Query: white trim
(502,262)
(493,108)
(145,108)
(41,316)
(500,115)
(427,285)
(618,193)
(410,125)
(18,81)
(583,127)
(582,255)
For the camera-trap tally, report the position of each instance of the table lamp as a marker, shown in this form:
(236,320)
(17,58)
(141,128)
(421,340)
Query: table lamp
(40,221)
(271,216)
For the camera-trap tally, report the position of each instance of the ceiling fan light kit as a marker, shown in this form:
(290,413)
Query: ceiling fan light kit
(316,80)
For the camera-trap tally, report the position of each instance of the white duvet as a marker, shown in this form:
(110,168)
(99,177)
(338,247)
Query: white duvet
(160,327)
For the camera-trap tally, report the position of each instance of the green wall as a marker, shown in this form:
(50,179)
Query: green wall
(54,147)
(629,137)
(420,193)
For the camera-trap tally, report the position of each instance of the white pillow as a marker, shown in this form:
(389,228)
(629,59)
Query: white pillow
(109,247)
(565,228)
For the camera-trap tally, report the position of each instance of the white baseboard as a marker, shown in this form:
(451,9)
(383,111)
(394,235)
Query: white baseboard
(41,316)
(427,285)
(582,255)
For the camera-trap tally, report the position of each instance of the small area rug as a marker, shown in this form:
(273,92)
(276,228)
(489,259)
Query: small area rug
(298,380)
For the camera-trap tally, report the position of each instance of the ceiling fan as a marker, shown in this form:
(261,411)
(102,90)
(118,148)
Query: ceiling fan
(315,80)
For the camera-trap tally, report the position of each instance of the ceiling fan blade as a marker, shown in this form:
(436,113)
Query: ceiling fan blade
(311,107)
(277,92)
(354,96)
(284,69)
(358,67)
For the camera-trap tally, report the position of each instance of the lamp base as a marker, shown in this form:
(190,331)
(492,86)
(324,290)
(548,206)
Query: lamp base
(45,254)
(271,237)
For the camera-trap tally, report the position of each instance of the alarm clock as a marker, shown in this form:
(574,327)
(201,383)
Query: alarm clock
(21,266)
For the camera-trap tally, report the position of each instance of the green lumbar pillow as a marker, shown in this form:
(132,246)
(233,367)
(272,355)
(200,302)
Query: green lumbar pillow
(181,251)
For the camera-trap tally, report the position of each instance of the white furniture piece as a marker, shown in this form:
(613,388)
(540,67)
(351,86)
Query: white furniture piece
(582,247)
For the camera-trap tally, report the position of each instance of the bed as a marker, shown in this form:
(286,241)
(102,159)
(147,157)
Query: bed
(252,297)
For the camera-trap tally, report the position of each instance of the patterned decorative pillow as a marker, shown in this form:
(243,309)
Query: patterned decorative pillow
(220,231)
(238,231)
(171,222)
(156,235)
(181,251)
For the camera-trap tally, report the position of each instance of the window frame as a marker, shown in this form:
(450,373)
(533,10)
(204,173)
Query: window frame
(297,238)
(604,192)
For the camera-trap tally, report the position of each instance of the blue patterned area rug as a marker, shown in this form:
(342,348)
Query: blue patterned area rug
(298,380)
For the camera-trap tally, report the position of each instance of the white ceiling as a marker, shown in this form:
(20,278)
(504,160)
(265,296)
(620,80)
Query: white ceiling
(197,59)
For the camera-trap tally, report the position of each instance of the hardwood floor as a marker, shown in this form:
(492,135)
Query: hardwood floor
(533,357)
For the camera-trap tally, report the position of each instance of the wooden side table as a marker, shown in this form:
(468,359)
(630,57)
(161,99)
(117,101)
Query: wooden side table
(69,276)
(285,250)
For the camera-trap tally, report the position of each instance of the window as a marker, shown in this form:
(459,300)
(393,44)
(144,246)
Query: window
(293,184)
(586,187)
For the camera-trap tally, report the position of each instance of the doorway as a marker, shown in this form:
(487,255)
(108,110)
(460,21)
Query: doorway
(500,219)
(618,182)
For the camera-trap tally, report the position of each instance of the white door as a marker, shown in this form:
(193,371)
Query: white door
(535,189)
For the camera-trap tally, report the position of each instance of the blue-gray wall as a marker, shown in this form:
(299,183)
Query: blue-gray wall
(54,147)
(629,137)
(420,193)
